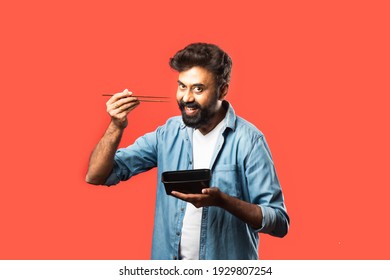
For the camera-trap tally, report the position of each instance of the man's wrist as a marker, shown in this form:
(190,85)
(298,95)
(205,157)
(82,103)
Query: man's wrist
(223,200)
(116,127)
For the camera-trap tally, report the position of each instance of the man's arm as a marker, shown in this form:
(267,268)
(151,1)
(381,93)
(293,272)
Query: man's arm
(102,158)
(264,189)
(247,212)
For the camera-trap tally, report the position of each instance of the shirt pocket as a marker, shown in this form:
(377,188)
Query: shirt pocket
(227,178)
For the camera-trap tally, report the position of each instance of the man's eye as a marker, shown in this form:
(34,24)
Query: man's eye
(181,86)
(198,89)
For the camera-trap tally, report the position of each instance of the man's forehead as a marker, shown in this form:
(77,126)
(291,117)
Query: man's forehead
(196,75)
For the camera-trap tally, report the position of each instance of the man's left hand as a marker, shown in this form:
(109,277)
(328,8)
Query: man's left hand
(209,197)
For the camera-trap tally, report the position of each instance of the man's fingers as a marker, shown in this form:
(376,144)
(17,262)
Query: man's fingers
(179,195)
(119,103)
(122,112)
(126,105)
(183,196)
(118,96)
(210,190)
(188,197)
(122,105)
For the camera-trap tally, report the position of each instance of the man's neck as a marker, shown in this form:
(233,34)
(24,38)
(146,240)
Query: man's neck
(220,115)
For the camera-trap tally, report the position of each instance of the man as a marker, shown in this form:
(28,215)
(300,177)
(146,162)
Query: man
(224,221)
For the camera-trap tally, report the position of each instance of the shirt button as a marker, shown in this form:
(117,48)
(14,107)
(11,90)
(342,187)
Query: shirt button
(182,209)
(178,233)
(190,162)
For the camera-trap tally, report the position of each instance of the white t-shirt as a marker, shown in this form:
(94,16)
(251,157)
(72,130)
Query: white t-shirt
(203,150)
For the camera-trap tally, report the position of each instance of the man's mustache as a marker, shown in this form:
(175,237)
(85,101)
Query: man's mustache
(192,105)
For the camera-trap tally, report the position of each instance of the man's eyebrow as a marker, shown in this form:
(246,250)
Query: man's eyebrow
(194,85)
(198,85)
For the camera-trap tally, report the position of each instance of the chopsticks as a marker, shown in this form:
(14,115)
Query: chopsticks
(142,98)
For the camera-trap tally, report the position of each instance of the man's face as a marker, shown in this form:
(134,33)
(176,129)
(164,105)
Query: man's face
(197,96)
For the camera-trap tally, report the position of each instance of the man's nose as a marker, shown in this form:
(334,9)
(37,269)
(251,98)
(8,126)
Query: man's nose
(188,96)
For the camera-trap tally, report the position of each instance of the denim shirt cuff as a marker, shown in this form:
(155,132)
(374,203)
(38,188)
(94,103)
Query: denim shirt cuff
(269,219)
(113,178)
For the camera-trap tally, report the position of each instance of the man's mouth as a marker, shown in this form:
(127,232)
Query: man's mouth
(190,111)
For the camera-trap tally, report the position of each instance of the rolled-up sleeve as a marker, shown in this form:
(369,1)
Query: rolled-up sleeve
(134,159)
(265,191)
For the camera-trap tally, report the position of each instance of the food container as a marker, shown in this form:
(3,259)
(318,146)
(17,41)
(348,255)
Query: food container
(186,181)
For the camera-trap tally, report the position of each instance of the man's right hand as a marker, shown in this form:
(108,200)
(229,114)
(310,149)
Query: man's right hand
(119,106)
(102,158)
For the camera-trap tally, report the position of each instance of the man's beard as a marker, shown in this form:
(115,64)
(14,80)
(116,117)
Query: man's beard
(201,118)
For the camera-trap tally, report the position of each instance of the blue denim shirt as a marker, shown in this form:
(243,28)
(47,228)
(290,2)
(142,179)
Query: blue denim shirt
(241,166)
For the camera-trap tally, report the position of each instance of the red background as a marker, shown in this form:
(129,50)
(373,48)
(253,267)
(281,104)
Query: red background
(312,75)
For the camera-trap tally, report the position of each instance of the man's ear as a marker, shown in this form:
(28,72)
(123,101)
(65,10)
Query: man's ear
(223,90)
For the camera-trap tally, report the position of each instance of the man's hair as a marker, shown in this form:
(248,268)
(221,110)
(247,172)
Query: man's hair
(208,56)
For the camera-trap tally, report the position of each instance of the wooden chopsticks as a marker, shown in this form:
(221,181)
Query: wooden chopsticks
(144,98)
